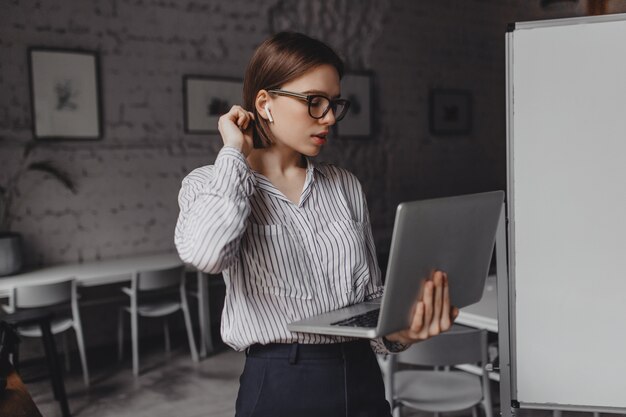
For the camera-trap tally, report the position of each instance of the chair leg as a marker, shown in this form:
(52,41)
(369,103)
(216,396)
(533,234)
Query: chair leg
(487,408)
(202,321)
(120,335)
(204,316)
(135,339)
(15,358)
(66,352)
(166,332)
(192,342)
(80,341)
(56,376)
(474,411)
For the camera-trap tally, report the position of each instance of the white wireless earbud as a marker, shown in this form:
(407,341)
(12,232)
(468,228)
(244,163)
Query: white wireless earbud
(269,114)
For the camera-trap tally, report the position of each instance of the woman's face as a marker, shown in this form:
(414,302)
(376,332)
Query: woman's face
(293,127)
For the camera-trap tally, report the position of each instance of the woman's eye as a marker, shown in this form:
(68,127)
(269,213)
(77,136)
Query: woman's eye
(316,101)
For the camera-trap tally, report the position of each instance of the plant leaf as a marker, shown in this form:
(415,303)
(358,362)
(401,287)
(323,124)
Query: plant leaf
(58,174)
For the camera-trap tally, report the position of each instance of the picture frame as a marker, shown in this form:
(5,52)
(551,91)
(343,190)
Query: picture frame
(450,112)
(206,98)
(65,94)
(358,123)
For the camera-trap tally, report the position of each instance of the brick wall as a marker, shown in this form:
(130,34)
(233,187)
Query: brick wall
(129,180)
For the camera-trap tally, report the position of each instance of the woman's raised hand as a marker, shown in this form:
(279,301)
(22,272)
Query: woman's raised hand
(433,313)
(236,128)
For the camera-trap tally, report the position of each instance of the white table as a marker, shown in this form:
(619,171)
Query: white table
(111,271)
(483,314)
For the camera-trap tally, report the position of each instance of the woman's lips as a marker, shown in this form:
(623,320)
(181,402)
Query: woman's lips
(320,138)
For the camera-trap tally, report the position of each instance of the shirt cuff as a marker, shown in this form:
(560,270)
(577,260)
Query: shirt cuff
(233,174)
(231,151)
(394,347)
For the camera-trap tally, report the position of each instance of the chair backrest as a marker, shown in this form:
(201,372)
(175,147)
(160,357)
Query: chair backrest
(43,295)
(454,347)
(160,278)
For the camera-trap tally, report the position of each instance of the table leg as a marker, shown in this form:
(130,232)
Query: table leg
(206,341)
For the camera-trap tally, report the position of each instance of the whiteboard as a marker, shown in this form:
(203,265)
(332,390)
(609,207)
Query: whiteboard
(566,151)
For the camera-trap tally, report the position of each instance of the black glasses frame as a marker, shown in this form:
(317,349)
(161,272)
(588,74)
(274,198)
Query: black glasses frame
(332,103)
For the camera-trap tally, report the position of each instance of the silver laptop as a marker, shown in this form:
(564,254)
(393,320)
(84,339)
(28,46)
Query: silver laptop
(452,234)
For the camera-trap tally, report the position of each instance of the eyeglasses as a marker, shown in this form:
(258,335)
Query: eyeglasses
(319,105)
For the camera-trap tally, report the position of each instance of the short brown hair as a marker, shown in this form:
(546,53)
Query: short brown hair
(280,59)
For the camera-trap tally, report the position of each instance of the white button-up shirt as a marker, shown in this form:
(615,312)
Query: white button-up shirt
(281,261)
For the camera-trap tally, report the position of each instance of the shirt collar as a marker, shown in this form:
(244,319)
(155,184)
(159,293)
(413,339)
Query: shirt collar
(310,167)
(311,171)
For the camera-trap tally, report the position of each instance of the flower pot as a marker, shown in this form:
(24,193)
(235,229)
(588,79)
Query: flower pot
(10,253)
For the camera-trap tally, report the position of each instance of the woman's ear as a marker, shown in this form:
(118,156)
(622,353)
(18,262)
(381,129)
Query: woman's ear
(262,104)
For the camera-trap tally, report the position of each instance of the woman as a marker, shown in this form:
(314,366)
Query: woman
(292,238)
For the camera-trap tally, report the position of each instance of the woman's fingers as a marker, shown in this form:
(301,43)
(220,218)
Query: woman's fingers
(433,314)
(234,127)
(242,118)
(427,299)
(417,323)
(435,324)
(446,312)
(232,117)
(238,116)
(248,121)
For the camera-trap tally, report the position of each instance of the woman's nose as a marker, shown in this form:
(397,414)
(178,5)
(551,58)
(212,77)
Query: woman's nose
(329,118)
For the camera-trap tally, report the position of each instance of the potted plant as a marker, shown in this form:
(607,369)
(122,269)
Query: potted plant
(11,242)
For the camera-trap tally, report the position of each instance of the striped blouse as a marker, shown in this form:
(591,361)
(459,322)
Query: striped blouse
(281,262)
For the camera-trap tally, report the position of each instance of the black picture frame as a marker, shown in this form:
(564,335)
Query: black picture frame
(358,122)
(66,93)
(450,112)
(206,98)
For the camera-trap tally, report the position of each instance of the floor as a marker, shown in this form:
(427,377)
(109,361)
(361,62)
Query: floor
(168,386)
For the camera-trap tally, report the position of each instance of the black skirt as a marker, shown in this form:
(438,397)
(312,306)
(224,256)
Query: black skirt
(333,380)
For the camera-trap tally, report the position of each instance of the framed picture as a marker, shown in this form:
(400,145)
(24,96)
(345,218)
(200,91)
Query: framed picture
(357,87)
(65,94)
(450,112)
(206,99)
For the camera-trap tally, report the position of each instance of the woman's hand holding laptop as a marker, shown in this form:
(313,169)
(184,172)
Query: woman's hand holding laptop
(433,313)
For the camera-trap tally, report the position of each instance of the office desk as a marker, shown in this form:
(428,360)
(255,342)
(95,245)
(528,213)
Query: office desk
(111,271)
(483,314)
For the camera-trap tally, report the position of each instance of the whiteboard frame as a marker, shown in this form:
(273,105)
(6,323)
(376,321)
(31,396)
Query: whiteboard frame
(506,293)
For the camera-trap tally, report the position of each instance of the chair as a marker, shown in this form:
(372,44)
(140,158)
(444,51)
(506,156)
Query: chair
(18,401)
(435,390)
(47,296)
(143,283)
(204,312)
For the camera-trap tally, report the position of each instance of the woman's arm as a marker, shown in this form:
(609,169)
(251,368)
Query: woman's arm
(214,207)
(215,200)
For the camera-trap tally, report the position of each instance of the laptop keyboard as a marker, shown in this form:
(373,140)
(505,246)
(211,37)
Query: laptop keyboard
(369,319)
